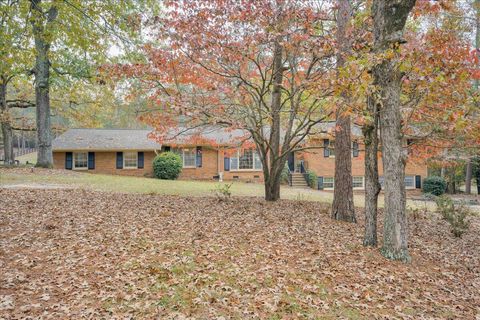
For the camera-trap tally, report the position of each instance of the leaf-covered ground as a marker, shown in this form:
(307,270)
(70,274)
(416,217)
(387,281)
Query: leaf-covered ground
(74,253)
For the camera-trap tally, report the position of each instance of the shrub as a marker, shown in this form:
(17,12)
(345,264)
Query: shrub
(311,179)
(222,191)
(434,185)
(456,216)
(167,165)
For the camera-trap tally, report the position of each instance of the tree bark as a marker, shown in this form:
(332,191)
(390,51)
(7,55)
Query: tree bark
(343,207)
(389,18)
(272,185)
(372,185)
(7,132)
(468,177)
(272,180)
(476,7)
(42,83)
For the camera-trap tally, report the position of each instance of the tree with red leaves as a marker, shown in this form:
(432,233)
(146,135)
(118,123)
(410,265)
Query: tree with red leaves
(266,67)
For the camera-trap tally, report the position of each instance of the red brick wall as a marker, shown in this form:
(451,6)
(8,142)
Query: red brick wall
(326,166)
(106,162)
(213,163)
(208,169)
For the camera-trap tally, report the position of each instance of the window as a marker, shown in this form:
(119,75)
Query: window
(328,182)
(332,148)
(80,160)
(355,148)
(130,160)
(328,148)
(246,160)
(189,157)
(409,182)
(358,182)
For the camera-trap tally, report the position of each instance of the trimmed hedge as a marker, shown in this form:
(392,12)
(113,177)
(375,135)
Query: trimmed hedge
(434,185)
(167,165)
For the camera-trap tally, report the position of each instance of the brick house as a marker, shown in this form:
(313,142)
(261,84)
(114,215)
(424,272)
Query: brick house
(130,152)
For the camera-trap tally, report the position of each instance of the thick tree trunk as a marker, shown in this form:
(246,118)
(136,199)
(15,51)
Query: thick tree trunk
(372,185)
(272,185)
(342,207)
(42,84)
(389,18)
(7,132)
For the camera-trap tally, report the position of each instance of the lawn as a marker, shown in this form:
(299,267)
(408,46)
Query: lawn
(76,253)
(65,178)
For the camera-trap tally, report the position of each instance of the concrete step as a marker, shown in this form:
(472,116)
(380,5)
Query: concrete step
(300,184)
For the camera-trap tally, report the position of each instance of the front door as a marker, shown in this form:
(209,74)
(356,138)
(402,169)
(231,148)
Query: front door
(291,162)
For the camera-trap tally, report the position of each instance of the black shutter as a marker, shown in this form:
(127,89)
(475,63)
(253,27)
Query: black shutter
(326,150)
(91,160)
(68,160)
(141,160)
(355,148)
(418,182)
(320,183)
(199,157)
(226,163)
(119,160)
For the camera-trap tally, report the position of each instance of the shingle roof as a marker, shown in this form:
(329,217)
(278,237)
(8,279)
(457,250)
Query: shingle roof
(137,139)
(132,139)
(209,134)
(105,139)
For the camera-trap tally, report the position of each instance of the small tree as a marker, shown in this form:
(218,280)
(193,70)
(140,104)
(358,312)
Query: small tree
(167,165)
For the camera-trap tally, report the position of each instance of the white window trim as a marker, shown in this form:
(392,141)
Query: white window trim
(183,159)
(255,154)
(410,187)
(330,155)
(130,168)
(333,183)
(363,182)
(73,161)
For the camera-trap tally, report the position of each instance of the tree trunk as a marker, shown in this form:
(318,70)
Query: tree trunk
(42,84)
(389,18)
(7,132)
(468,177)
(272,185)
(272,180)
(342,207)
(372,185)
(476,7)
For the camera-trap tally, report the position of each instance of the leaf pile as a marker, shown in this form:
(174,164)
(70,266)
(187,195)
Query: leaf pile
(74,253)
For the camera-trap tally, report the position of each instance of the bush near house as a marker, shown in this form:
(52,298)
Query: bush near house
(311,179)
(434,185)
(167,165)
